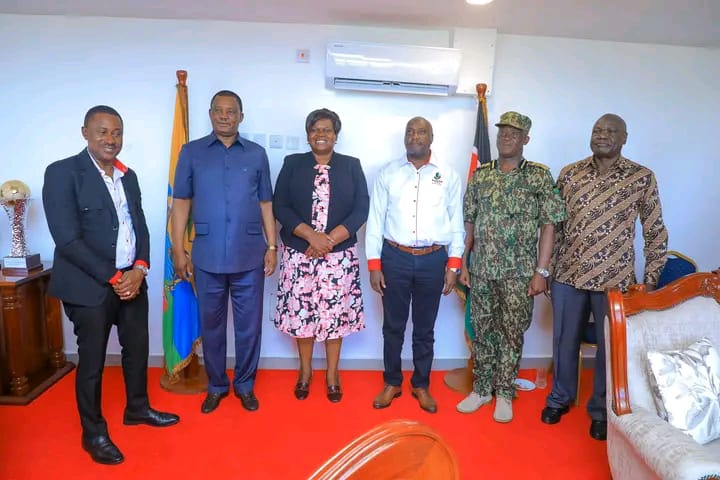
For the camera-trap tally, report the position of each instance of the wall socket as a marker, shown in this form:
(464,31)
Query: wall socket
(292,142)
(276,141)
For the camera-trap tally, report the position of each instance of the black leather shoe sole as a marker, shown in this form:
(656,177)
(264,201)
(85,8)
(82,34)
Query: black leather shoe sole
(551,415)
(598,430)
(212,401)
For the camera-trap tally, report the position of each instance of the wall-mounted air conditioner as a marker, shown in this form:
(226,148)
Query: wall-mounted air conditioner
(392,68)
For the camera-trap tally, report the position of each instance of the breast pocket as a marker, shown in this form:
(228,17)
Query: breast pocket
(245,179)
(94,217)
(523,203)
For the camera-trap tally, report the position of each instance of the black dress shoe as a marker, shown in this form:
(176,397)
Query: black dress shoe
(249,401)
(102,450)
(334,393)
(302,390)
(212,401)
(551,415)
(598,429)
(150,417)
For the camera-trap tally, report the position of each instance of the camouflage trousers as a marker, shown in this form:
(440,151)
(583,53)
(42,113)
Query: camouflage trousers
(501,311)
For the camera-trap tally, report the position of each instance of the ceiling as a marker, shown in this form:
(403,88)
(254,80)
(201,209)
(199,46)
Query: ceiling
(679,22)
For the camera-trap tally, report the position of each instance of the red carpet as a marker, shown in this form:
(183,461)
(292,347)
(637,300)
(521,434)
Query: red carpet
(288,439)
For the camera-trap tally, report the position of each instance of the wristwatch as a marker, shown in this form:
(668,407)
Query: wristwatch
(142,268)
(543,272)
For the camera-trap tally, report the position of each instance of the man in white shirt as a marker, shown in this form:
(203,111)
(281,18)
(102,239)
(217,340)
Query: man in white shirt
(414,244)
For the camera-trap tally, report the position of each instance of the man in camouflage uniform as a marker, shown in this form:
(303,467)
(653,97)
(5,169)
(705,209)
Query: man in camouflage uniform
(506,203)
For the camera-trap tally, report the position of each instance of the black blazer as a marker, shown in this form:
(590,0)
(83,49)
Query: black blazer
(84,225)
(292,202)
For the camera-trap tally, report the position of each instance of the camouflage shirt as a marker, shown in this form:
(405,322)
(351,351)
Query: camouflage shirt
(507,210)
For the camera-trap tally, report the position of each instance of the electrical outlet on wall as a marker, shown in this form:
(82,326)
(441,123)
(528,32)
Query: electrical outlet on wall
(292,142)
(276,141)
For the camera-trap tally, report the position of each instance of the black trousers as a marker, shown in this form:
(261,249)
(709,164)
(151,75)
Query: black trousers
(571,311)
(92,328)
(417,280)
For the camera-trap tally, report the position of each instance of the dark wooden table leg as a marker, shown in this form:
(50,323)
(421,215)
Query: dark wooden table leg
(54,332)
(12,310)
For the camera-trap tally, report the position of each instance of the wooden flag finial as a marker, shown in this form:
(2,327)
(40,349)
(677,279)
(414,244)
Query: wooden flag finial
(182,77)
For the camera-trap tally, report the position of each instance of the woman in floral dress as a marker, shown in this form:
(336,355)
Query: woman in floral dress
(321,200)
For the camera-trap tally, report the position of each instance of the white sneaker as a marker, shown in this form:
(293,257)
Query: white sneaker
(472,402)
(503,410)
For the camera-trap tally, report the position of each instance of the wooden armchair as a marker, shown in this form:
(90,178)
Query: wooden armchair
(399,449)
(640,444)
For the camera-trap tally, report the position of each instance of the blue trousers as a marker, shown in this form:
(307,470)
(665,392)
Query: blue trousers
(571,311)
(417,280)
(245,290)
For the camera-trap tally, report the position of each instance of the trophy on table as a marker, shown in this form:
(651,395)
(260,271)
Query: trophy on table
(15,197)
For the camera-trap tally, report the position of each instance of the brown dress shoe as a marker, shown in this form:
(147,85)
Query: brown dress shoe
(426,402)
(385,398)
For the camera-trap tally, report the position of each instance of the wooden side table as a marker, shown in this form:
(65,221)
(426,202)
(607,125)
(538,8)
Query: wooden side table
(31,337)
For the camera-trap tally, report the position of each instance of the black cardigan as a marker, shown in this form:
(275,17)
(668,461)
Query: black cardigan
(292,201)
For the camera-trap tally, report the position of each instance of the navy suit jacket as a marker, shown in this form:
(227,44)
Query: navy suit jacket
(349,199)
(84,225)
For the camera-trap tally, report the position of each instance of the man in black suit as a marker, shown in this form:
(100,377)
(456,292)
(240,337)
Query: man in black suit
(102,254)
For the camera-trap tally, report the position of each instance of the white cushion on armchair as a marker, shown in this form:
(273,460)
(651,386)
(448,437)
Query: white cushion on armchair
(641,444)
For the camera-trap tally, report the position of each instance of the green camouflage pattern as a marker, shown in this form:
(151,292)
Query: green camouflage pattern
(501,311)
(515,119)
(507,210)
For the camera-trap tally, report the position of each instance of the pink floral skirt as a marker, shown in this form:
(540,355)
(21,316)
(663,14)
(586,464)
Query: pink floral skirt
(321,297)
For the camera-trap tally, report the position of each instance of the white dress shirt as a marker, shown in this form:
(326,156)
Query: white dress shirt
(415,208)
(125,245)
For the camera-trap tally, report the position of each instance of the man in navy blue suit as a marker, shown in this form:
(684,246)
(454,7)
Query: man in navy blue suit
(225,179)
(102,255)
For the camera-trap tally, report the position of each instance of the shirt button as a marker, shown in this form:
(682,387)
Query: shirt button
(113,245)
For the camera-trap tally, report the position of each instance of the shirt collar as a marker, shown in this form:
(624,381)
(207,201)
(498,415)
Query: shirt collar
(431,160)
(621,163)
(121,167)
(212,138)
(523,163)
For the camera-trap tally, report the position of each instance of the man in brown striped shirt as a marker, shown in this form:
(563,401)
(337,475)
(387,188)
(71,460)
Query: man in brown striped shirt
(604,194)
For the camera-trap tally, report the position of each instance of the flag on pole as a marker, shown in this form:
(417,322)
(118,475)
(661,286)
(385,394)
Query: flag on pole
(480,155)
(181,320)
(481,145)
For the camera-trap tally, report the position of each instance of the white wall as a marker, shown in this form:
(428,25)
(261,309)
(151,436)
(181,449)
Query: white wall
(54,68)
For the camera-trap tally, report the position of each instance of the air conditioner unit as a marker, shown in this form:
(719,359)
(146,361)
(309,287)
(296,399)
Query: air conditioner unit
(392,68)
